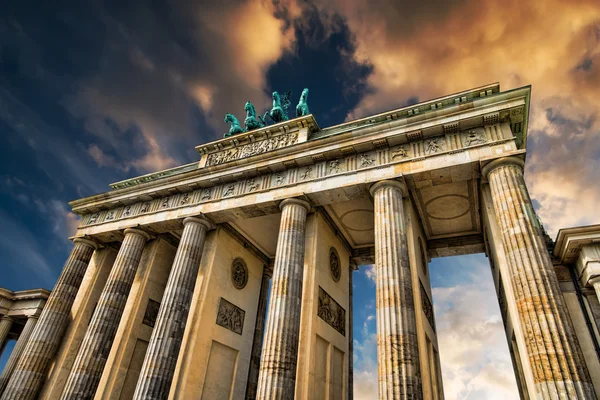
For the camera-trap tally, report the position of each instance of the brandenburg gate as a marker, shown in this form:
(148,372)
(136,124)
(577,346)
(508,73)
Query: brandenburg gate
(231,277)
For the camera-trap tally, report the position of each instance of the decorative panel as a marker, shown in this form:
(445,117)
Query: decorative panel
(331,312)
(220,373)
(427,307)
(230,316)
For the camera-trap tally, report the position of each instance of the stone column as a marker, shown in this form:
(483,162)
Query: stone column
(5,325)
(554,353)
(259,330)
(277,376)
(157,371)
(397,344)
(95,347)
(17,351)
(40,350)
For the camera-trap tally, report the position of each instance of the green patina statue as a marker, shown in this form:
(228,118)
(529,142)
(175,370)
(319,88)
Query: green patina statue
(302,107)
(280,106)
(235,125)
(278,113)
(251,122)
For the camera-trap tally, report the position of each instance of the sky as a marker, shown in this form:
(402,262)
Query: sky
(99,91)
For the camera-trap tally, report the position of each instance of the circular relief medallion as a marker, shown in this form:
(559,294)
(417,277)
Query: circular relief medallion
(239,273)
(334,265)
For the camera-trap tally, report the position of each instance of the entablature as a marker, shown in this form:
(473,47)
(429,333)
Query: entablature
(414,134)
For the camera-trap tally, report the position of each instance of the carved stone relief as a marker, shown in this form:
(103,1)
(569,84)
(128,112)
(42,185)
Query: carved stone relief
(434,145)
(427,146)
(334,265)
(252,149)
(331,312)
(239,273)
(400,152)
(230,316)
(151,313)
(427,307)
(474,137)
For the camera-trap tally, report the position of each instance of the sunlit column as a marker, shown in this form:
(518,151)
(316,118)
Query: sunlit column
(554,353)
(397,345)
(17,351)
(277,376)
(5,325)
(157,371)
(94,350)
(40,349)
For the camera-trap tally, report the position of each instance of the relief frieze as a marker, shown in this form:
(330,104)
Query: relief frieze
(252,149)
(331,312)
(427,307)
(406,152)
(230,316)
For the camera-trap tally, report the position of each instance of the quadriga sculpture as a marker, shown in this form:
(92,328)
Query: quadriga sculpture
(235,125)
(278,113)
(280,106)
(302,107)
(251,122)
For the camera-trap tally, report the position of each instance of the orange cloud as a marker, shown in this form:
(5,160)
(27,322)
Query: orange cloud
(434,49)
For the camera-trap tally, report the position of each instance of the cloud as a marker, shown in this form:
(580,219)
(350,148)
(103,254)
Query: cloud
(430,49)
(370,273)
(473,348)
(19,243)
(156,86)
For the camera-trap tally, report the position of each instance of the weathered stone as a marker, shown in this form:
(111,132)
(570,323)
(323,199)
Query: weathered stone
(95,348)
(557,362)
(397,347)
(280,351)
(27,378)
(161,356)
(17,351)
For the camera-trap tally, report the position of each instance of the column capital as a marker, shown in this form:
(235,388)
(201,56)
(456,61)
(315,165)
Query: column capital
(389,183)
(199,219)
(268,270)
(86,241)
(296,201)
(140,232)
(594,280)
(499,162)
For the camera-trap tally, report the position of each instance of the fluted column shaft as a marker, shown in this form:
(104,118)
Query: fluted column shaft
(397,343)
(259,330)
(5,325)
(277,376)
(41,347)
(95,347)
(17,351)
(558,366)
(157,371)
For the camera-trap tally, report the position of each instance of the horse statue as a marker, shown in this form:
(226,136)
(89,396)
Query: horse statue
(251,122)
(302,107)
(280,106)
(235,125)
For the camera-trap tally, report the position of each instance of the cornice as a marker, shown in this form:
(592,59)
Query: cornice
(369,135)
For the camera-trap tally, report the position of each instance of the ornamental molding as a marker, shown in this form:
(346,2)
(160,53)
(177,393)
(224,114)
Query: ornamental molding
(239,273)
(351,163)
